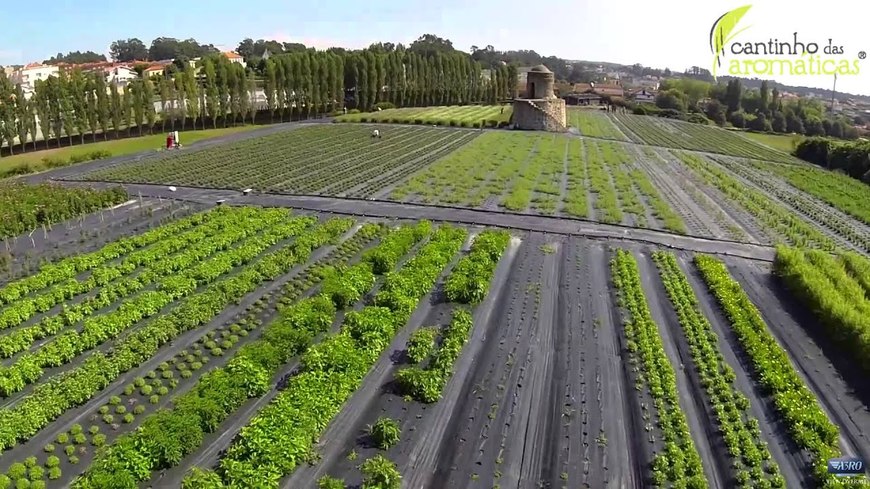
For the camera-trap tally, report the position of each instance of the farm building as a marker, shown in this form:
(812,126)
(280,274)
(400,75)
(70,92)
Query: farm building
(540,109)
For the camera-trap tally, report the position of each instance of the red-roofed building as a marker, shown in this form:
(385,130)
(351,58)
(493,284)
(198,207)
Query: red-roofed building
(234,58)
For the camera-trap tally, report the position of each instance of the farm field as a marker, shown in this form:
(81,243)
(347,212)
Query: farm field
(782,142)
(248,346)
(441,307)
(669,133)
(608,181)
(461,116)
(594,123)
(36,160)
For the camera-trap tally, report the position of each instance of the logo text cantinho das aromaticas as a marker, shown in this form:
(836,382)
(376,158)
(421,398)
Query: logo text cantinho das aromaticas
(771,57)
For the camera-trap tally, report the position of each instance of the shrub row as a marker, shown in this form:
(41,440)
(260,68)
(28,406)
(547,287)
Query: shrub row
(28,368)
(283,434)
(68,268)
(807,424)
(290,334)
(469,281)
(427,385)
(72,388)
(837,299)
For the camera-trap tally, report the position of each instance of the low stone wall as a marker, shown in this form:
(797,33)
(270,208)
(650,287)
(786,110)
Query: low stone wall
(544,115)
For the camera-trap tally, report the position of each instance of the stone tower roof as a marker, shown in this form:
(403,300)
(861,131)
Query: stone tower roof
(539,69)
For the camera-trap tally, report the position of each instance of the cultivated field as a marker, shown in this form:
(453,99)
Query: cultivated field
(461,116)
(438,308)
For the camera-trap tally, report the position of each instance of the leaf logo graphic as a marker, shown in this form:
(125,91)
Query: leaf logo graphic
(722,33)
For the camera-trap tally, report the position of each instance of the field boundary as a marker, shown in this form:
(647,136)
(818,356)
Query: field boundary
(565,226)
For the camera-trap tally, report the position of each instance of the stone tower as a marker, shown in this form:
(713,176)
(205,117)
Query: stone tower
(540,110)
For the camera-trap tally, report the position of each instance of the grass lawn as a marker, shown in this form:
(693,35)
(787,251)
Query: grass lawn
(782,142)
(118,147)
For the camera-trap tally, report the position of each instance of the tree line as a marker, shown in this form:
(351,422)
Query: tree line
(80,104)
(761,109)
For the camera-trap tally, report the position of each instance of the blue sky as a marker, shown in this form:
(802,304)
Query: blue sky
(666,33)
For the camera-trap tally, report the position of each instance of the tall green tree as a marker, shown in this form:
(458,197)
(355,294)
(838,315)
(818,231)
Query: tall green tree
(148,100)
(280,97)
(8,128)
(191,102)
(139,103)
(77,89)
(104,110)
(212,93)
(251,86)
(128,103)
(43,108)
(25,118)
(223,87)
(179,98)
(315,96)
(65,108)
(116,109)
(243,97)
(269,86)
(93,112)
(306,83)
(163,83)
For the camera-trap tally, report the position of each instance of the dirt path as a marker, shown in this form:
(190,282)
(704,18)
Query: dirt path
(395,210)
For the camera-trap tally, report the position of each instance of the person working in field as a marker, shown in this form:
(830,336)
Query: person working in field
(376,134)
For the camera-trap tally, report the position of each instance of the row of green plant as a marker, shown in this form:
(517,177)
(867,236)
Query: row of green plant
(396,245)
(294,329)
(841,191)
(801,203)
(328,159)
(606,204)
(859,268)
(68,268)
(116,281)
(427,384)
(457,116)
(476,173)
(595,124)
(28,368)
(74,387)
(282,435)
(807,424)
(616,162)
(576,190)
(679,463)
(836,298)
(782,222)
(24,208)
(468,283)
(739,429)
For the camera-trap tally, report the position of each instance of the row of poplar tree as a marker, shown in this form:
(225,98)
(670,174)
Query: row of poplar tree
(296,85)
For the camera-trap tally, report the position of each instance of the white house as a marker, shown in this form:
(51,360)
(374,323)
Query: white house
(119,76)
(235,58)
(28,75)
